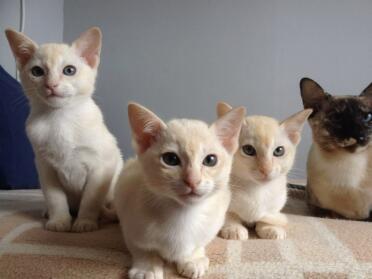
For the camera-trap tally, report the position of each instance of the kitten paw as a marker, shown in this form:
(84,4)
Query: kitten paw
(234,232)
(58,225)
(84,225)
(137,273)
(271,232)
(193,269)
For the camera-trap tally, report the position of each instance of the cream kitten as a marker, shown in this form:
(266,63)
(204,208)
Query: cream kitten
(171,200)
(259,174)
(77,158)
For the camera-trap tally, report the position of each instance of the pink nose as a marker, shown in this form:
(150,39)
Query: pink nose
(51,86)
(191,183)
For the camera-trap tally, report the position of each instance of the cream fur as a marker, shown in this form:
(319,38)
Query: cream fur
(341,181)
(160,217)
(259,183)
(77,158)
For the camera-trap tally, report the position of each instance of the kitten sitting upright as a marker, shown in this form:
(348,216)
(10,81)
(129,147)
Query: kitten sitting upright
(171,200)
(259,174)
(77,158)
(340,160)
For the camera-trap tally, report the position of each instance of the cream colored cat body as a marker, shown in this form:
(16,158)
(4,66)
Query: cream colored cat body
(259,175)
(77,158)
(341,181)
(172,199)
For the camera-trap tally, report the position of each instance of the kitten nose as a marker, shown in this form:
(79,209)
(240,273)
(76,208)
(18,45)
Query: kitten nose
(51,86)
(191,183)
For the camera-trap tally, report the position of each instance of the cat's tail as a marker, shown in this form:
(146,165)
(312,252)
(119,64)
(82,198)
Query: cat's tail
(278,219)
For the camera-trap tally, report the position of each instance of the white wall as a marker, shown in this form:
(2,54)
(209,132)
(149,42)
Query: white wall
(180,57)
(43,23)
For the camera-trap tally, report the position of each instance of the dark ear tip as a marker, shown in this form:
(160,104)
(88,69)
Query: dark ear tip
(304,80)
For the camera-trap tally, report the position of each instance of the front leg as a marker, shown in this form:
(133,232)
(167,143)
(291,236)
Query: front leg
(145,265)
(272,226)
(233,228)
(195,266)
(92,200)
(59,218)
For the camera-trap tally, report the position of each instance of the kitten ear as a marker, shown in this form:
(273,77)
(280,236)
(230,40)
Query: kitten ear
(367,91)
(312,94)
(145,125)
(23,47)
(222,108)
(88,46)
(293,125)
(227,128)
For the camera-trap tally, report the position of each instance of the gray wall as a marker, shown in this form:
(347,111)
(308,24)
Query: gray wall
(43,23)
(180,57)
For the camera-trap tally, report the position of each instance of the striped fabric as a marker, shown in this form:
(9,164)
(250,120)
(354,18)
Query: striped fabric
(315,248)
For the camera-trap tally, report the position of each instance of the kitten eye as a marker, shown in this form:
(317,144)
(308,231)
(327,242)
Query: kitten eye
(279,151)
(69,70)
(249,150)
(368,117)
(171,159)
(37,71)
(210,160)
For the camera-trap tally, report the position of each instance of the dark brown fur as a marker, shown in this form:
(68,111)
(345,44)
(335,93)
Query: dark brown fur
(338,122)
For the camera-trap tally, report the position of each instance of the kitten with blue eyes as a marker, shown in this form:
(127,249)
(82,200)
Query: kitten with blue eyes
(340,159)
(172,198)
(259,175)
(77,158)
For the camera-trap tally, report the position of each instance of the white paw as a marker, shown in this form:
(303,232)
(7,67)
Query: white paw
(84,225)
(58,225)
(271,232)
(235,232)
(137,273)
(193,269)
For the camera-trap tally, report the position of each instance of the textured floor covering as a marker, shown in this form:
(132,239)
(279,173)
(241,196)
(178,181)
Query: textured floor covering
(315,248)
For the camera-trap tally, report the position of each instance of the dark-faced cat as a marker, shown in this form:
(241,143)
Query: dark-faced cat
(340,160)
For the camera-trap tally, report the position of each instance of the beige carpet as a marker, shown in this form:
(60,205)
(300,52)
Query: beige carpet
(315,248)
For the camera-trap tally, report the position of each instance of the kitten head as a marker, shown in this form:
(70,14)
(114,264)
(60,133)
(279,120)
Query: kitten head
(57,74)
(184,160)
(338,122)
(267,148)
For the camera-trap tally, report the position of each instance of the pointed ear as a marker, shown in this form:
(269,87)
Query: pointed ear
(312,94)
(23,47)
(222,108)
(367,91)
(293,125)
(88,46)
(227,128)
(145,125)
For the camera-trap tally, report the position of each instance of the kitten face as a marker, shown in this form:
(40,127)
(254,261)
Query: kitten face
(338,123)
(265,151)
(57,74)
(185,160)
(267,148)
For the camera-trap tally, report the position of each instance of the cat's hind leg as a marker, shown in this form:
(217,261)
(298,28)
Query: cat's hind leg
(194,266)
(92,200)
(233,228)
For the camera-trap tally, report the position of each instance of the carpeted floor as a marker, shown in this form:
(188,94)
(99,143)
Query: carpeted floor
(315,248)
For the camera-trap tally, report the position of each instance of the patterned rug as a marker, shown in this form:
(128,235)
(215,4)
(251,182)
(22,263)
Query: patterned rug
(315,248)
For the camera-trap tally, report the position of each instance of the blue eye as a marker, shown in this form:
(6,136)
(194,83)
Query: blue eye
(279,151)
(210,160)
(368,117)
(69,70)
